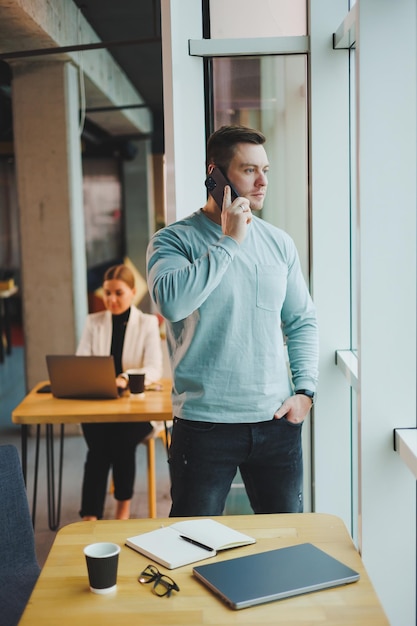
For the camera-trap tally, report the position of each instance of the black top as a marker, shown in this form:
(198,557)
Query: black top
(118,337)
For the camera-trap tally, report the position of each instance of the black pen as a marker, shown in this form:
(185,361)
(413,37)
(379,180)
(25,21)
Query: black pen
(197,543)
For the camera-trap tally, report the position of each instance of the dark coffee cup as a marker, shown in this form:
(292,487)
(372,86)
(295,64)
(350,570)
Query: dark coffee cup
(136,381)
(102,560)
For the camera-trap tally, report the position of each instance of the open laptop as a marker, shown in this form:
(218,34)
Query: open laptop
(274,575)
(82,377)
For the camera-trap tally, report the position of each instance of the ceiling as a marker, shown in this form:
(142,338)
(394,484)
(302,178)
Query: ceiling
(138,21)
(133,28)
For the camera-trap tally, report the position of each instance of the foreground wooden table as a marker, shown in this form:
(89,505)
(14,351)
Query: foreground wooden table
(43,409)
(62,596)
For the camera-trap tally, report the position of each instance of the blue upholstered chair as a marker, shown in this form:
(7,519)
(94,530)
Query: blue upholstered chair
(19,569)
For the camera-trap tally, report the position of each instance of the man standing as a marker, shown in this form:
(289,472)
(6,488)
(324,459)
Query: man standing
(231,290)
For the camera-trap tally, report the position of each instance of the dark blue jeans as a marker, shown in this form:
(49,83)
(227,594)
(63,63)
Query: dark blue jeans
(204,458)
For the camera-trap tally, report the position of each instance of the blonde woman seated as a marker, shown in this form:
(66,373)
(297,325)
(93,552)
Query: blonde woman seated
(132,337)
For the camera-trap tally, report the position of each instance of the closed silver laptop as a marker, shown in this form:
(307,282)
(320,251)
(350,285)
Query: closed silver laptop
(274,575)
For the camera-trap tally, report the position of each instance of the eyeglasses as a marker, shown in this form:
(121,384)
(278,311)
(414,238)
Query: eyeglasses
(162,585)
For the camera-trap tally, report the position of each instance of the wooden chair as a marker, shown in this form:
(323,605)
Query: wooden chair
(150,451)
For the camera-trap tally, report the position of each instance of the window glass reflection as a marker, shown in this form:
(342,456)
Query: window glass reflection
(102,211)
(265,18)
(354,223)
(270,93)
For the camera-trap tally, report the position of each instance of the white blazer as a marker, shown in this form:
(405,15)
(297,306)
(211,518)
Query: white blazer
(142,343)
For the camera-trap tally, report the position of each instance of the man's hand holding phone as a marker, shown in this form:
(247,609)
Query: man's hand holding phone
(235,216)
(235,210)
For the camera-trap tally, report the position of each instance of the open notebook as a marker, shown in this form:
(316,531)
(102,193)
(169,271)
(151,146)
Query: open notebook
(82,377)
(273,575)
(187,542)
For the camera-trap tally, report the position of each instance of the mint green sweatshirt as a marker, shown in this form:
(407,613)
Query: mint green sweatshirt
(228,308)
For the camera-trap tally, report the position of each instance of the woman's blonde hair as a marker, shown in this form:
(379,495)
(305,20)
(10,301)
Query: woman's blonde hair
(120,272)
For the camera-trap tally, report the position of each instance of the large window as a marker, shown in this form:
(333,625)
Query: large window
(270,93)
(354,290)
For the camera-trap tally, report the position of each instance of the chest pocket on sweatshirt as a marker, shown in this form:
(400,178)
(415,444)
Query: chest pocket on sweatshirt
(271,286)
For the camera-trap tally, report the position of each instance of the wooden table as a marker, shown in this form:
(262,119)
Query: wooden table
(43,409)
(62,596)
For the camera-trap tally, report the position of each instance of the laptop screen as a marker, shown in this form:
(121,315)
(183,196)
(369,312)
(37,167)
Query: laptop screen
(82,377)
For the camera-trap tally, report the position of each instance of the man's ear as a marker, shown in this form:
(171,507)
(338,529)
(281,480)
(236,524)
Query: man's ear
(210,168)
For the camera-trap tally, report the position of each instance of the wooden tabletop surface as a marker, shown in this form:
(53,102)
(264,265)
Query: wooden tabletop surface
(43,408)
(62,595)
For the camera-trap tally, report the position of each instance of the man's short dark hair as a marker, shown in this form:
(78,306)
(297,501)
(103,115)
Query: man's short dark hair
(221,145)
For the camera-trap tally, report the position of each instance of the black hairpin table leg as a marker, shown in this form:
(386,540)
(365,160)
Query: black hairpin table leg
(54,497)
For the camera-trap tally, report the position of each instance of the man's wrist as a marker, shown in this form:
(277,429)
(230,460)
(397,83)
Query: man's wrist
(307,392)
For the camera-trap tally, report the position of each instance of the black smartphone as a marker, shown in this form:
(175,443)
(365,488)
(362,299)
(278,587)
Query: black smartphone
(215,183)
